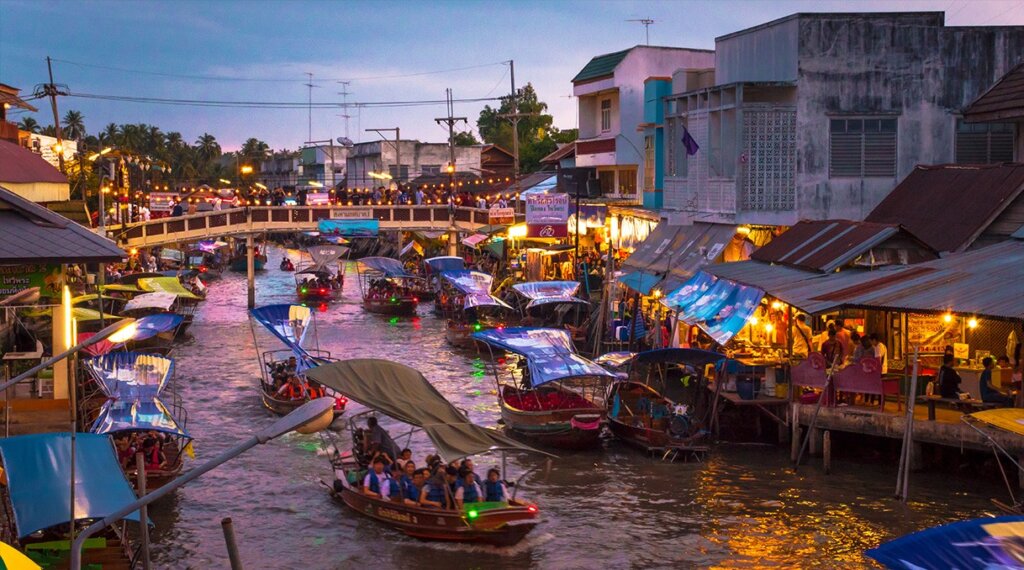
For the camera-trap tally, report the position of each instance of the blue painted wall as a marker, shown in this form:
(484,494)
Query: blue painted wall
(654,116)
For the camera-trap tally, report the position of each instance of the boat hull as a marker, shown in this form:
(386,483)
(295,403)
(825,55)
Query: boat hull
(644,432)
(284,407)
(314,295)
(575,426)
(240,264)
(399,307)
(497,527)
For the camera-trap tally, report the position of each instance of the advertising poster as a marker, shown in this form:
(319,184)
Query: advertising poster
(17,278)
(547,215)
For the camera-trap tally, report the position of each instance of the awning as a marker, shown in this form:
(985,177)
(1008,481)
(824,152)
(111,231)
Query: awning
(166,285)
(325,254)
(128,375)
(979,543)
(793,286)
(445,263)
(549,353)
(675,253)
(162,301)
(640,281)
(137,415)
(152,325)
(402,393)
(38,467)
(120,288)
(474,240)
(476,286)
(718,306)
(544,292)
(349,228)
(386,265)
(287,322)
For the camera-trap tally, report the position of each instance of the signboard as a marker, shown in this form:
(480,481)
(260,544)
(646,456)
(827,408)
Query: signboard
(17,278)
(318,199)
(501,216)
(352,214)
(932,332)
(349,228)
(161,201)
(547,215)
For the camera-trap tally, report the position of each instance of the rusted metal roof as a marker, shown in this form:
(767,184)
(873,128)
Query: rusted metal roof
(674,253)
(824,245)
(949,206)
(1003,101)
(565,151)
(29,233)
(20,165)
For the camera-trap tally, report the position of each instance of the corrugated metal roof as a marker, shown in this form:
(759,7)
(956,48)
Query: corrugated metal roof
(675,253)
(824,245)
(949,206)
(601,65)
(564,151)
(20,165)
(29,233)
(1003,101)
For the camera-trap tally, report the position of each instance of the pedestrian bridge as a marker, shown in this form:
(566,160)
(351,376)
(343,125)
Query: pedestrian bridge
(262,219)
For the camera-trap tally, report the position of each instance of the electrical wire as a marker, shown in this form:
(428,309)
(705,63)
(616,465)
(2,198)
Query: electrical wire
(270,79)
(272,104)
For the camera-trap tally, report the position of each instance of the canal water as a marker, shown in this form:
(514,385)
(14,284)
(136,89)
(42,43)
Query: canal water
(743,508)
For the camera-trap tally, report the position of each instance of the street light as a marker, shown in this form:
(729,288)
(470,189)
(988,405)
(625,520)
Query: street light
(312,415)
(246,169)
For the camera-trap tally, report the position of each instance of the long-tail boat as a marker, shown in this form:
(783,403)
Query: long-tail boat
(315,282)
(387,288)
(553,304)
(547,392)
(466,301)
(404,394)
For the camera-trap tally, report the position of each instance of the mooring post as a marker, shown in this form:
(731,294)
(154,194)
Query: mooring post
(794,424)
(229,540)
(140,465)
(250,267)
(815,440)
(827,451)
(453,241)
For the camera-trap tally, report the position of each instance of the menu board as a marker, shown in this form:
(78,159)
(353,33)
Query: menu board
(932,333)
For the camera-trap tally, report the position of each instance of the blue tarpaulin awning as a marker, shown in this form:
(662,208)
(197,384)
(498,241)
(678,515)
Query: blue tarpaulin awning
(130,375)
(718,306)
(640,281)
(544,292)
(287,322)
(445,263)
(549,353)
(476,287)
(389,267)
(980,543)
(38,468)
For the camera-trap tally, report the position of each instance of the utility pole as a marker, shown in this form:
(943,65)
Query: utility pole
(450,121)
(514,116)
(398,148)
(51,90)
(344,103)
(310,112)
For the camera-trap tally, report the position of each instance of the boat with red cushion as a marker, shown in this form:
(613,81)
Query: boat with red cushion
(404,394)
(546,391)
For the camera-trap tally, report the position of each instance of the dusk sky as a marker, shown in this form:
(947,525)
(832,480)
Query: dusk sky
(390,51)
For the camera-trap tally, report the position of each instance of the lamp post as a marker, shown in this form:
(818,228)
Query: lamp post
(306,416)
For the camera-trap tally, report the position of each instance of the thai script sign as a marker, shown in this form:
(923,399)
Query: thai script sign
(547,215)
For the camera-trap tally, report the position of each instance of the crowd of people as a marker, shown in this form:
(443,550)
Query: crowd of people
(386,288)
(287,384)
(393,475)
(150,443)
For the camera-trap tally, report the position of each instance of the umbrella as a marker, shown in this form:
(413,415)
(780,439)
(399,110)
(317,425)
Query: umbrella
(13,559)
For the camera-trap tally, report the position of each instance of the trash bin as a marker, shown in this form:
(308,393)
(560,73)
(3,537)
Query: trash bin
(747,387)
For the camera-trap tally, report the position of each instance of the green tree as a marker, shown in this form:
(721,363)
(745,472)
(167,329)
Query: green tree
(536,133)
(110,134)
(29,124)
(465,139)
(49,130)
(74,125)
(207,147)
(254,151)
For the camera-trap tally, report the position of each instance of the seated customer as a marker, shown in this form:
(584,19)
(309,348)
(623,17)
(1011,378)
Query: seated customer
(436,492)
(494,487)
(948,380)
(468,491)
(375,483)
(990,393)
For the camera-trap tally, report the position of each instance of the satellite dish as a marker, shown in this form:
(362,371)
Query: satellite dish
(345,141)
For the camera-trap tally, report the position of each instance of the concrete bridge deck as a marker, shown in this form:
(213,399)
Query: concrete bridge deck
(261,219)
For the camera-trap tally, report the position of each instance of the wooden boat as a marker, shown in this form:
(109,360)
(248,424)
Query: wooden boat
(641,414)
(284,406)
(316,282)
(386,287)
(465,298)
(551,304)
(382,386)
(548,393)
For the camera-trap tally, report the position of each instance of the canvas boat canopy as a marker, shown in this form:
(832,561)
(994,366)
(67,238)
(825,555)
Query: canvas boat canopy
(137,415)
(162,301)
(127,375)
(476,286)
(152,325)
(544,292)
(386,265)
(167,285)
(322,255)
(549,353)
(979,543)
(721,307)
(120,288)
(445,263)
(404,394)
(81,314)
(290,323)
(37,468)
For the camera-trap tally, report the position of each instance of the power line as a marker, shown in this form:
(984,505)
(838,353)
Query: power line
(269,79)
(273,104)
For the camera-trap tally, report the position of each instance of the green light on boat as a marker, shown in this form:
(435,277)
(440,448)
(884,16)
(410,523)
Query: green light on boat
(472,514)
(303,289)
(476,327)
(394,300)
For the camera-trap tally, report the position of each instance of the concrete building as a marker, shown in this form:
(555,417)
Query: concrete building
(818,116)
(323,164)
(611,95)
(280,171)
(369,162)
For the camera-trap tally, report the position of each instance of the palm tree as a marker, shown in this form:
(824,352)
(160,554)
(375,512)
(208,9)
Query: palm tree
(110,134)
(174,140)
(49,131)
(155,141)
(207,147)
(74,125)
(130,138)
(29,124)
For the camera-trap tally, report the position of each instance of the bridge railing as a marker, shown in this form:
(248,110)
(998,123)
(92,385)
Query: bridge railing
(293,218)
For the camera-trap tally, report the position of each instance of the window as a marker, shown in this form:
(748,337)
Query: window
(606,115)
(627,181)
(430,169)
(607,181)
(648,164)
(862,148)
(676,150)
(983,143)
(394,172)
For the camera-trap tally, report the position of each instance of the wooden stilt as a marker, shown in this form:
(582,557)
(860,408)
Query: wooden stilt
(827,451)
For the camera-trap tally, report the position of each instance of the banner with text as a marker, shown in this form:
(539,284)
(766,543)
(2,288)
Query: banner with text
(17,278)
(501,216)
(547,215)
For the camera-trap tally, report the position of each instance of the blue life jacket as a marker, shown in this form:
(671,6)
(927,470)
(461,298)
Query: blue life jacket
(374,482)
(435,493)
(494,491)
(395,489)
(409,489)
(469,494)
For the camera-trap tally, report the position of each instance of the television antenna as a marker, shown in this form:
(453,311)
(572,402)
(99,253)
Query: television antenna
(647,27)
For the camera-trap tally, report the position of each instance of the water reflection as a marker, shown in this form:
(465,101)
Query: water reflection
(616,508)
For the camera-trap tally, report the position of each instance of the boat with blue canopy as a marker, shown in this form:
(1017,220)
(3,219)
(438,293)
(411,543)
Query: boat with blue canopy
(290,324)
(37,468)
(991,543)
(547,391)
(655,403)
(387,288)
(317,281)
(553,304)
(208,258)
(465,299)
